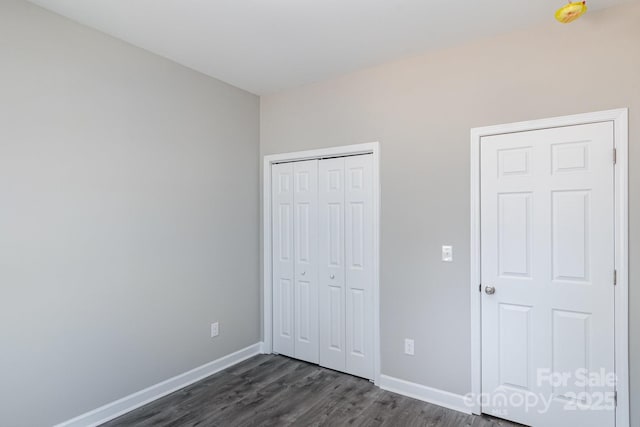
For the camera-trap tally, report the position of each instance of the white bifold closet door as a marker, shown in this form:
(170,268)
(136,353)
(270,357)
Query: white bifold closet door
(346,264)
(295,263)
(322,213)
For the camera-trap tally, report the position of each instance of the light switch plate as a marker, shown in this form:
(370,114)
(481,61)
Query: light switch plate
(447,253)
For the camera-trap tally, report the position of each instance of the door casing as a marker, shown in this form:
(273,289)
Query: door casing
(619,117)
(372,148)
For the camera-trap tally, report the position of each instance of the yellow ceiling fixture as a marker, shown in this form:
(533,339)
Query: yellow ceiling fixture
(570,12)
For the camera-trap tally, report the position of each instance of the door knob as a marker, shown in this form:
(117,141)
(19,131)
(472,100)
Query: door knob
(332,277)
(490,290)
(303,273)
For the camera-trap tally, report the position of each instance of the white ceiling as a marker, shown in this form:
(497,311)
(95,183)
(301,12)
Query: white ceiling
(265,46)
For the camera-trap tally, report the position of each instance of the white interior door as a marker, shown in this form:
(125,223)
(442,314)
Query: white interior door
(547,227)
(283,258)
(305,232)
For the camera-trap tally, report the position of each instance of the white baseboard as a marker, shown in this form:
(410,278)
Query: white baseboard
(126,404)
(424,393)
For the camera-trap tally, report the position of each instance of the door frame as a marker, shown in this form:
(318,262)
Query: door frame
(619,117)
(372,148)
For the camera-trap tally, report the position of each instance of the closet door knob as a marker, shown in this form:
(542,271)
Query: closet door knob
(303,273)
(332,277)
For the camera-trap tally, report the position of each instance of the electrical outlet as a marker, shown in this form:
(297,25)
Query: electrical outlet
(215,329)
(408,346)
(447,253)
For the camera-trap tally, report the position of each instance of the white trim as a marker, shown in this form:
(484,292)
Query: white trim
(267,293)
(376,263)
(344,150)
(619,117)
(126,404)
(347,150)
(424,393)
(621,139)
(474,261)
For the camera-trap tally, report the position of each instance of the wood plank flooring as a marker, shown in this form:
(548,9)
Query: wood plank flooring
(269,390)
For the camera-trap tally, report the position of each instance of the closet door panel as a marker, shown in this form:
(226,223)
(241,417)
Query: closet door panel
(305,219)
(359,265)
(331,267)
(283,258)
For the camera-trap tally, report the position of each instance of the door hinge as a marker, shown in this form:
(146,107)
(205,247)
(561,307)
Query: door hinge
(615,277)
(480,287)
(615,156)
(615,398)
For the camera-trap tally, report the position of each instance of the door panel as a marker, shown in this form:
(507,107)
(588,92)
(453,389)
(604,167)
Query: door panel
(335,323)
(570,245)
(514,229)
(331,267)
(515,345)
(570,348)
(547,245)
(283,262)
(359,265)
(305,198)
(285,292)
(357,318)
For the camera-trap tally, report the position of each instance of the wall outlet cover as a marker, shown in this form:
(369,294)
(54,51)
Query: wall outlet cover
(215,329)
(408,347)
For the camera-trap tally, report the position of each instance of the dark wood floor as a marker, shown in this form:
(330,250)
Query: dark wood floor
(269,390)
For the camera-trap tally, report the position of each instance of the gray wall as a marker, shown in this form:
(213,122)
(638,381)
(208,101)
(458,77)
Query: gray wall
(421,110)
(129,219)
